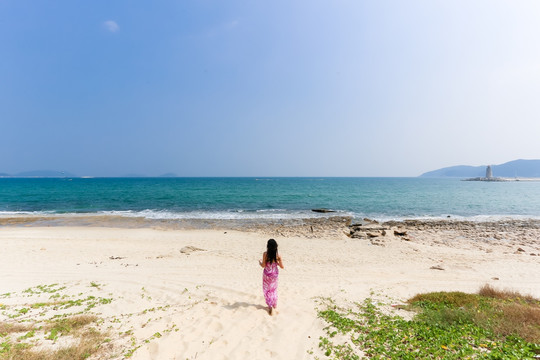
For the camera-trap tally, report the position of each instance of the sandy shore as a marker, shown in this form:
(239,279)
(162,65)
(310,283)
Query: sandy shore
(200,290)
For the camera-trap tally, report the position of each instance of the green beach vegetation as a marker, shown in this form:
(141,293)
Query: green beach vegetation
(86,340)
(66,322)
(491,324)
(26,327)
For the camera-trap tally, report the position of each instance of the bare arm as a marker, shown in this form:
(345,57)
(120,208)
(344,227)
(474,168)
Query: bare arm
(263,262)
(279,262)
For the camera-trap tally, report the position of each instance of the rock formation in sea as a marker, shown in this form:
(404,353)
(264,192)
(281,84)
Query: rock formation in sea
(489,176)
(512,169)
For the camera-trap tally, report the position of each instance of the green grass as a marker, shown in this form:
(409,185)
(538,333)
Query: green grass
(502,312)
(23,325)
(52,322)
(87,340)
(448,325)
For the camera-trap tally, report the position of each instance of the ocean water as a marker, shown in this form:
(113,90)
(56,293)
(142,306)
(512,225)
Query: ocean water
(270,198)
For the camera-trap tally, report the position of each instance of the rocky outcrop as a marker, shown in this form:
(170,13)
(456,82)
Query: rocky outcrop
(377,233)
(371,230)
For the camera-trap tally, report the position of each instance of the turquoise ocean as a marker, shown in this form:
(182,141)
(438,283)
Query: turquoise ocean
(269,198)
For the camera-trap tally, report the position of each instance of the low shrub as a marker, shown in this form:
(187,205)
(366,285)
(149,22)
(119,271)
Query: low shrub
(448,325)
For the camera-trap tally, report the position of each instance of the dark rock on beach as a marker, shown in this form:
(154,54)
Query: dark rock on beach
(190,249)
(370,221)
(400,233)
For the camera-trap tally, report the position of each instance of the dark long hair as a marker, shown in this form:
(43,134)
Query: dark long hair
(271,251)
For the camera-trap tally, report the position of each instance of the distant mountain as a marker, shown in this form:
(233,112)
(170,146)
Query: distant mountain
(511,169)
(518,168)
(457,171)
(44,173)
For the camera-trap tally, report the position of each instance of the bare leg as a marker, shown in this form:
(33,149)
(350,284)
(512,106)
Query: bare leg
(270,311)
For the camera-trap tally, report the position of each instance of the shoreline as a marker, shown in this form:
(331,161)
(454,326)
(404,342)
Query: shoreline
(321,226)
(200,289)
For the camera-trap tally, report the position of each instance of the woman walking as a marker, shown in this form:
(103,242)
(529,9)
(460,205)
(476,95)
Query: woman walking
(270,262)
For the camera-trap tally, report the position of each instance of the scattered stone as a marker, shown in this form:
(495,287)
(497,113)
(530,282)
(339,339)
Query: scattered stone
(437,267)
(400,232)
(520,250)
(189,249)
(375,228)
(116,257)
(533,254)
(370,221)
(377,242)
(372,234)
(494,278)
(359,235)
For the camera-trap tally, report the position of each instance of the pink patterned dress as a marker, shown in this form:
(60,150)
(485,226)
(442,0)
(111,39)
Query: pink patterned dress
(270,282)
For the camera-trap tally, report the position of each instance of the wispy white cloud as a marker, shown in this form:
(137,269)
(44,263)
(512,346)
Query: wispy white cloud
(111,26)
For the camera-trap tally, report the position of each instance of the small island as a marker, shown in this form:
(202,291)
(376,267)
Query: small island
(489,177)
(516,170)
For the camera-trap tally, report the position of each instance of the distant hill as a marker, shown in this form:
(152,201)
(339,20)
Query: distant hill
(511,169)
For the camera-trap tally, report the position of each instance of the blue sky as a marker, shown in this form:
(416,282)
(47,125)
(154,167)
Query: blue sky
(281,88)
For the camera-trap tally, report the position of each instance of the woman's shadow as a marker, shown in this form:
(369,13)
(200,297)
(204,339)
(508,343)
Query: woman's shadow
(240,304)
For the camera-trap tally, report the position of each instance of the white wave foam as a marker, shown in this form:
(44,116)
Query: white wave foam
(25,213)
(273,214)
(266,214)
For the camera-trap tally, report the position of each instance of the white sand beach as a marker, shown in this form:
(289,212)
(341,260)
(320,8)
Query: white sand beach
(196,294)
